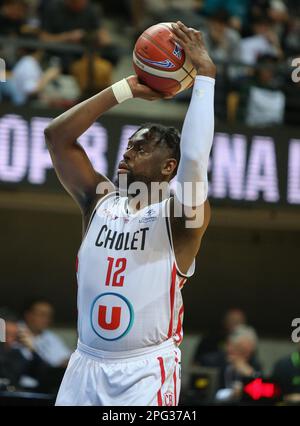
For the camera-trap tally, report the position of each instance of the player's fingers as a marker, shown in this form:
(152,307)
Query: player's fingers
(199,37)
(152,95)
(180,34)
(186,30)
(156,98)
(177,40)
(155,95)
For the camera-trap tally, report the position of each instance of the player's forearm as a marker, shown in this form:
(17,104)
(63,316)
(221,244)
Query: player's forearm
(67,127)
(197,137)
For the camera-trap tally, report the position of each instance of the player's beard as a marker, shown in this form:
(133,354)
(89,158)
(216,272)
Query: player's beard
(124,180)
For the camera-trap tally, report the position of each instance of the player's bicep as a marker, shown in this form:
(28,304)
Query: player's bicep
(188,225)
(77,174)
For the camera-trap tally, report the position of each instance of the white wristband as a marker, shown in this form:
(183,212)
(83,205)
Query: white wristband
(122,91)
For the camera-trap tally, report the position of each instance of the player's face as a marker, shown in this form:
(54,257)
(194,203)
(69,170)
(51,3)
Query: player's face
(144,159)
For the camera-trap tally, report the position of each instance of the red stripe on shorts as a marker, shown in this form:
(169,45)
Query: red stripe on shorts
(163,378)
(174,378)
(172,297)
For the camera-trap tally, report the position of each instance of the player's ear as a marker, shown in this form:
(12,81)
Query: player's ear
(168,166)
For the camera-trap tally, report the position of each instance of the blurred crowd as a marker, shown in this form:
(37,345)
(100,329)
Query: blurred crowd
(33,358)
(253,42)
(231,355)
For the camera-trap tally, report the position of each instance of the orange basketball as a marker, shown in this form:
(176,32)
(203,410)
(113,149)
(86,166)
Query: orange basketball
(160,63)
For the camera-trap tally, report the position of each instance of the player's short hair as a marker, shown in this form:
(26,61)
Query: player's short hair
(169,136)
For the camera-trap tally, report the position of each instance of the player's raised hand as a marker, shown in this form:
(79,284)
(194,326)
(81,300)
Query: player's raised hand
(142,91)
(192,42)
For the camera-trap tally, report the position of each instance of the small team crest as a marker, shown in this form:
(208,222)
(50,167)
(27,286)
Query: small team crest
(169,399)
(111,316)
(177,51)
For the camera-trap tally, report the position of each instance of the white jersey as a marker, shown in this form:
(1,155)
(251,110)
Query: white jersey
(129,287)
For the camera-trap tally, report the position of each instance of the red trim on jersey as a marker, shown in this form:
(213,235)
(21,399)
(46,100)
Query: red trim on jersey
(182,282)
(76,264)
(163,378)
(179,324)
(172,298)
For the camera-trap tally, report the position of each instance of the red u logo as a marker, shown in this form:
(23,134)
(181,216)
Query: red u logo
(115,318)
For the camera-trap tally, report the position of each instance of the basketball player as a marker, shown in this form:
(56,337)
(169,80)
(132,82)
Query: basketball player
(133,262)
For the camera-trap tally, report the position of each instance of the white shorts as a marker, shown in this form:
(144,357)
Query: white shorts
(146,377)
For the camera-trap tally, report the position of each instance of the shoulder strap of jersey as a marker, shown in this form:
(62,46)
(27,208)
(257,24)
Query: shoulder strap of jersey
(99,202)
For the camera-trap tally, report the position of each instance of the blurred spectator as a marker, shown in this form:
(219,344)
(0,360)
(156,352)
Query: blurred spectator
(292,38)
(292,104)
(258,9)
(238,10)
(264,42)
(215,341)
(259,99)
(221,40)
(12,363)
(279,15)
(35,334)
(27,79)
(149,12)
(19,366)
(273,10)
(12,17)
(266,100)
(78,21)
(286,372)
(236,362)
(34,13)
(276,10)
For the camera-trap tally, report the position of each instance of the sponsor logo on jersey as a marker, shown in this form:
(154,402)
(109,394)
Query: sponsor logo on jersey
(111,316)
(177,51)
(150,216)
(161,64)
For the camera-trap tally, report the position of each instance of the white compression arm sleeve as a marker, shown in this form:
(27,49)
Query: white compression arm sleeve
(195,145)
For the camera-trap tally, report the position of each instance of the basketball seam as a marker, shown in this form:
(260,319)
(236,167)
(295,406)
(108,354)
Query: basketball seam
(171,78)
(186,77)
(149,38)
(188,72)
(165,78)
